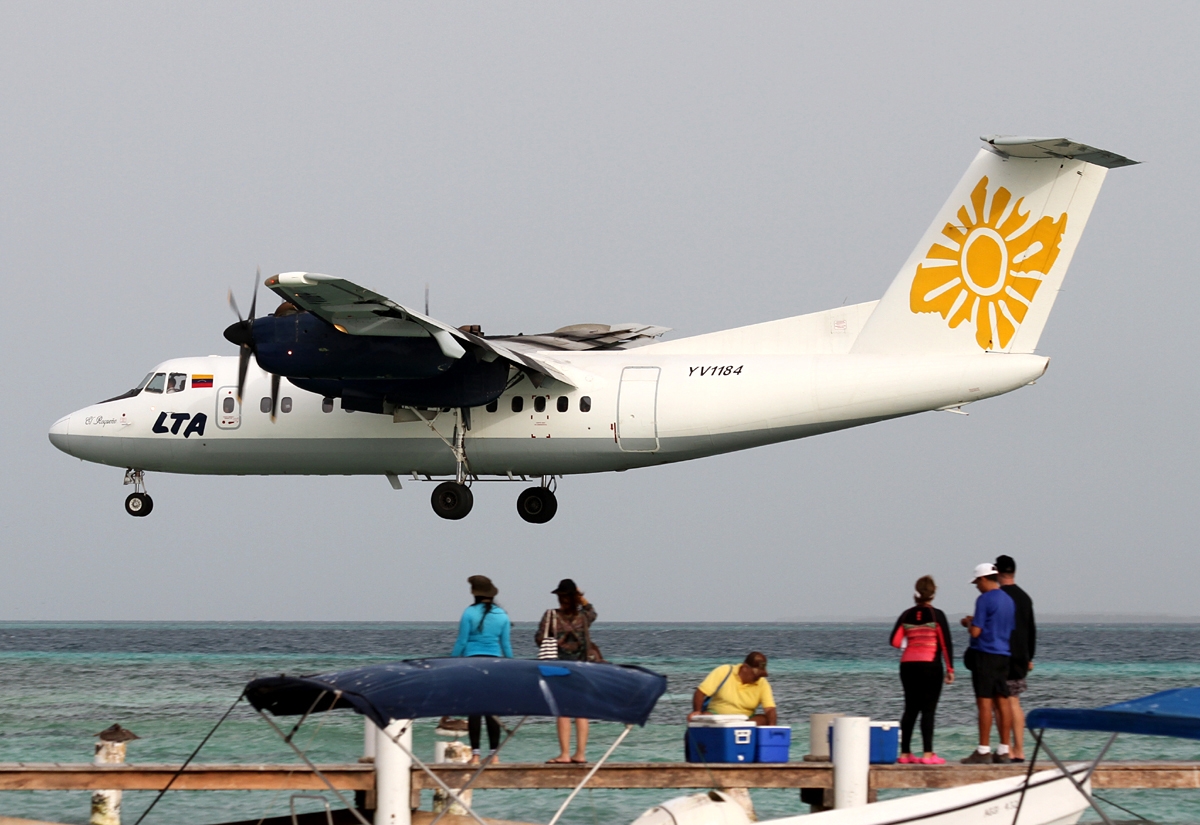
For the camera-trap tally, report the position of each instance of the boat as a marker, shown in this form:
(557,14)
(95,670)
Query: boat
(1057,796)
(1043,799)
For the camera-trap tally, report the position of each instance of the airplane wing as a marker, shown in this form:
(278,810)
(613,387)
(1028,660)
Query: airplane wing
(356,310)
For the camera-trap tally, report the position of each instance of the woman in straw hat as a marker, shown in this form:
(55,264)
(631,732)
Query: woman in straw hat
(483,631)
(569,625)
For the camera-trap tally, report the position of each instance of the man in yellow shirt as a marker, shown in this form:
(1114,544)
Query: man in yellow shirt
(739,689)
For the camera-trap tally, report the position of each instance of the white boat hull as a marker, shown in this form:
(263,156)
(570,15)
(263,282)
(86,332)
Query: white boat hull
(1050,799)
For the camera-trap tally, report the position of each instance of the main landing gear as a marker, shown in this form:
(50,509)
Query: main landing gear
(537,505)
(452,499)
(138,503)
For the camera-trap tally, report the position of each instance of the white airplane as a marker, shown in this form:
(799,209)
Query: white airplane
(959,323)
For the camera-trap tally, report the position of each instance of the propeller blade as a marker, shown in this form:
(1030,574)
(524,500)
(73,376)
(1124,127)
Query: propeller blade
(274,395)
(233,305)
(254,300)
(243,364)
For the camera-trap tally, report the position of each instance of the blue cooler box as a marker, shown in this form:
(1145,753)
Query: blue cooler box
(772,743)
(721,744)
(885,743)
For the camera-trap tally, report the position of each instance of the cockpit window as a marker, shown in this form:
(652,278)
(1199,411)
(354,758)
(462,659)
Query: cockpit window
(177,382)
(130,393)
(157,382)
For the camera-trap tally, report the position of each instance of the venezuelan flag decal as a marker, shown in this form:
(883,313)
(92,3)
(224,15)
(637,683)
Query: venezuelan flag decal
(200,382)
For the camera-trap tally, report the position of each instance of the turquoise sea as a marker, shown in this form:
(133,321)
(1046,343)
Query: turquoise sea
(169,682)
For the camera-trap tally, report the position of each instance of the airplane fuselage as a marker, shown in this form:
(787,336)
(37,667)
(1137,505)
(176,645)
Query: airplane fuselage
(641,410)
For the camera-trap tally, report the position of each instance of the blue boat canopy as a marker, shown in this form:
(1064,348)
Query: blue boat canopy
(1169,713)
(472,685)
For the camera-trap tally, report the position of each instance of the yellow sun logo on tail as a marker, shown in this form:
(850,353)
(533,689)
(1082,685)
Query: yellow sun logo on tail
(988,268)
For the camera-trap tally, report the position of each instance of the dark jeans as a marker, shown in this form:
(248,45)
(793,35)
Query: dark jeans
(493,731)
(922,683)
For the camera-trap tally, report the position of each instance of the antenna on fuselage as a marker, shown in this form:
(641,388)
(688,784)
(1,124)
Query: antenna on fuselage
(426,300)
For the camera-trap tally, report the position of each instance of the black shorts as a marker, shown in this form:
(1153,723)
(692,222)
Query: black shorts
(989,676)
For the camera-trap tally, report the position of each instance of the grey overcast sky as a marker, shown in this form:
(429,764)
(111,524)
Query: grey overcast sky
(695,165)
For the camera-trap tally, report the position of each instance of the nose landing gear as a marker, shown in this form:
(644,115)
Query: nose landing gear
(537,505)
(138,503)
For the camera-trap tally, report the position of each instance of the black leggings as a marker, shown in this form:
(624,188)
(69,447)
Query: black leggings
(493,731)
(922,683)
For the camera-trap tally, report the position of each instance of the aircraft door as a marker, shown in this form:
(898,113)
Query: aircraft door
(229,411)
(637,400)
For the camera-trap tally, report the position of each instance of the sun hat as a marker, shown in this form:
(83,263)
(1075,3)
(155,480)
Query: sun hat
(482,586)
(566,587)
(981,570)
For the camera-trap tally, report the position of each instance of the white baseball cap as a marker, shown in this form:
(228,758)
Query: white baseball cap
(985,569)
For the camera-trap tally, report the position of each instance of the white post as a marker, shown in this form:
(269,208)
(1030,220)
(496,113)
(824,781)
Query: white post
(818,736)
(370,735)
(106,805)
(851,761)
(459,752)
(393,776)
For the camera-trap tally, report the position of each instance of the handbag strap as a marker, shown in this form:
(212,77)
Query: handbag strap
(704,704)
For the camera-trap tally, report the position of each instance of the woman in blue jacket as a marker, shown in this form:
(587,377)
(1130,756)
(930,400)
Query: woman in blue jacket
(483,631)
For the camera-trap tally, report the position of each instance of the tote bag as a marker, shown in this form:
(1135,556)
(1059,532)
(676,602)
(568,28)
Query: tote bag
(548,649)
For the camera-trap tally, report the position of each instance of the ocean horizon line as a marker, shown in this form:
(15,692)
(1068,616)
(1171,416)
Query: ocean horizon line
(1047,618)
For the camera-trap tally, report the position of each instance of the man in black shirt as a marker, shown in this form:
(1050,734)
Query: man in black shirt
(1023,644)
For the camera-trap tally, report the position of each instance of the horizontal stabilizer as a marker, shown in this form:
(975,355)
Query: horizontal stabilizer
(1011,146)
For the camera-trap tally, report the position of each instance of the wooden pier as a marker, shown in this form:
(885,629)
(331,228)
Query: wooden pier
(655,775)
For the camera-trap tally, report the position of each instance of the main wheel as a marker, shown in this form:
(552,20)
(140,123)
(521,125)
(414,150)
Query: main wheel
(452,500)
(139,504)
(537,505)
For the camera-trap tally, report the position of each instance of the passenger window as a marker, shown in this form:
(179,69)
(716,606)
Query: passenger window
(539,403)
(157,382)
(227,404)
(285,404)
(493,405)
(177,382)
(585,403)
(265,404)
(518,403)
(326,405)
(564,403)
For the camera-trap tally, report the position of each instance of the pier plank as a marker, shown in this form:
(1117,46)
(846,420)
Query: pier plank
(654,775)
(52,776)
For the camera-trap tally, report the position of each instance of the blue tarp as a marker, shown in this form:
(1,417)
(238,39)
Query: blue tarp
(1169,713)
(475,684)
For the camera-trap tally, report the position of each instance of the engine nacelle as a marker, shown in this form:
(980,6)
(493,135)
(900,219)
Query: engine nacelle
(301,345)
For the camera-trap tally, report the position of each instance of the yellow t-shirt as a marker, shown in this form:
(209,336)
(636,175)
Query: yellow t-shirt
(735,696)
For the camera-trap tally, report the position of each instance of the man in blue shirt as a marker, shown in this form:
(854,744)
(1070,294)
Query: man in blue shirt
(988,659)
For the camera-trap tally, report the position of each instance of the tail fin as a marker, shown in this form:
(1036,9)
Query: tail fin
(987,271)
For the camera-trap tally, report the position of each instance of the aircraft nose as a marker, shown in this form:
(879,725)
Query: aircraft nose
(59,432)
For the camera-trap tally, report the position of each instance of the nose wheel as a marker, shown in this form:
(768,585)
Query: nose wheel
(138,503)
(537,505)
(452,500)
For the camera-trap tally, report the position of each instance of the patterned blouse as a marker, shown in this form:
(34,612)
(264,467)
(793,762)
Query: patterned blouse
(570,631)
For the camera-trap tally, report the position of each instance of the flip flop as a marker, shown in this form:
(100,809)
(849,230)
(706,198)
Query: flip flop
(558,761)
(578,761)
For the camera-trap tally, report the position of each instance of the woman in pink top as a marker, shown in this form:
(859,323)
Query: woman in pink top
(925,636)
